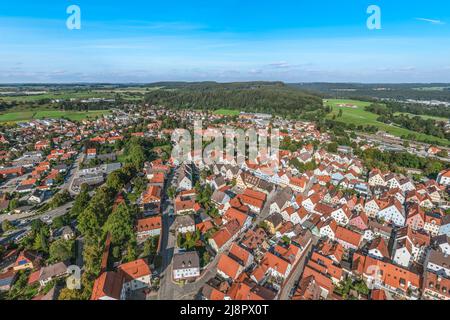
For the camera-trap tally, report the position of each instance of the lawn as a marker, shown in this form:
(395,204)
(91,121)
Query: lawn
(422,116)
(336,102)
(71,115)
(63,95)
(56,114)
(226,112)
(16,116)
(130,93)
(359,116)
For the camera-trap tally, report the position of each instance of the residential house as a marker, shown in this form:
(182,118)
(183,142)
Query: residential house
(148,227)
(185,266)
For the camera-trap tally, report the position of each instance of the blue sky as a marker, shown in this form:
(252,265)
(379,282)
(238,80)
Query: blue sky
(293,41)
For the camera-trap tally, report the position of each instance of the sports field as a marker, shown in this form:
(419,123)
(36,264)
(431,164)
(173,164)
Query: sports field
(423,116)
(226,112)
(353,112)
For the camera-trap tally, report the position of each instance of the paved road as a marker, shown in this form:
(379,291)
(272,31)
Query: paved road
(297,271)
(79,260)
(73,173)
(15,217)
(170,290)
(46,217)
(266,209)
(52,214)
(167,246)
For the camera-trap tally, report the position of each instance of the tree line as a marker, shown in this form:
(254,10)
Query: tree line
(273,99)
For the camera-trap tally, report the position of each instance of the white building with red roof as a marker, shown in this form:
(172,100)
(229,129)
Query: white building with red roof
(444,178)
(136,275)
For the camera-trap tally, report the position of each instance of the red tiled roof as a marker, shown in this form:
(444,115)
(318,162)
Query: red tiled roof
(135,269)
(348,236)
(228,266)
(240,253)
(109,284)
(148,224)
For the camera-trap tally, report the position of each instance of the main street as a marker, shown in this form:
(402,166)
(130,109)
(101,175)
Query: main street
(25,224)
(167,244)
(170,290)
(297,270)
(73,173)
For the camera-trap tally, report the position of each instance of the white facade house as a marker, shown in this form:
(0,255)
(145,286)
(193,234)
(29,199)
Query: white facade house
(340,216)
(392,214)
(445,225)
(376,180)
(186,266)
(444,178)
(438,263)
(402,257)
(371,208)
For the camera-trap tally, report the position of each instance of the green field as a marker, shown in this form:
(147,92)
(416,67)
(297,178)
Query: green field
(16,116)
(55,114)
(422,116)
(359,116)
(226,112)
(63,95)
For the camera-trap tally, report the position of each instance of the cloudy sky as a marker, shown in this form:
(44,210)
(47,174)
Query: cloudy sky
(233,40)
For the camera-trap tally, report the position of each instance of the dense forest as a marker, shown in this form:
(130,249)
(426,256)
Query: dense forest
(273,98)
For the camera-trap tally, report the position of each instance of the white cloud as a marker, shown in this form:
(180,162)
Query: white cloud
(432,21)
(280,65)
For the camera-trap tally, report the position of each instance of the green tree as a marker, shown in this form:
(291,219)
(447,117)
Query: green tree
(88,223)
(13,204)
(205,258)
(60,222)
(116,180)
(41,240)
(432,168)
(92,251)
(135,153)
(7,225)
(442,154)
(332,147)
(150,246)
(60,199)
(139,185)
(70,294)
(81,201)
(171,192)
(61,250)
(131,251)
(120,225)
